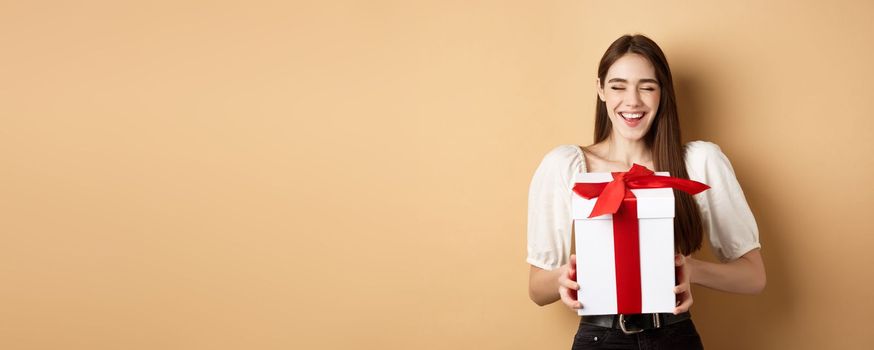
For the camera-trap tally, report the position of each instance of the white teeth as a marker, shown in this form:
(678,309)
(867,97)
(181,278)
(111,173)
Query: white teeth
(631,115)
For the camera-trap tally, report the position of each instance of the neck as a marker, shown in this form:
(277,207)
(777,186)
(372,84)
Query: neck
(622,150)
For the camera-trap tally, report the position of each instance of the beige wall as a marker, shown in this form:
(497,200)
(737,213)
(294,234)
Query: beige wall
(273,175)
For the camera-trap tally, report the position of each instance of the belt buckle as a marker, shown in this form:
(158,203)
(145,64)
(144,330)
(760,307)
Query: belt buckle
(655,321)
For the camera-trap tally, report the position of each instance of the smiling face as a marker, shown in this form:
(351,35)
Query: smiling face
(631,94)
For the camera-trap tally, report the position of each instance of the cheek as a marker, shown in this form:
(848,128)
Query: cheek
(653,102)
(612,101)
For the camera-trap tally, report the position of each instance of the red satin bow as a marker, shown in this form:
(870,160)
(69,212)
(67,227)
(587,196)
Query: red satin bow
(610,194)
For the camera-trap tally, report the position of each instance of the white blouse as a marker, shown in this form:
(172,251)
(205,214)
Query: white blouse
(725,214)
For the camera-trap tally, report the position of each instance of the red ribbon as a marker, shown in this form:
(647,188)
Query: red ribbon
(615,197)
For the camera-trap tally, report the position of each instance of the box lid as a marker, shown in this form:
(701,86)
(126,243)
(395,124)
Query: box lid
(651,202)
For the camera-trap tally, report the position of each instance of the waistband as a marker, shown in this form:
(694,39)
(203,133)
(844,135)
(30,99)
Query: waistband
(635,323)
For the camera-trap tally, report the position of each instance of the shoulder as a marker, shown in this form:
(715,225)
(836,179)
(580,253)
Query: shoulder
(702,150)
(561,162)
(563,154)
(565,158)
(705,159)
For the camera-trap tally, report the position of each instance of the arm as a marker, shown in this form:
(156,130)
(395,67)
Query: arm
(543,285)
(729,222)
(746,275)
(547,286)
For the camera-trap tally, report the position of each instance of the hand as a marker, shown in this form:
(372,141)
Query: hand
(567,284)
(683,289)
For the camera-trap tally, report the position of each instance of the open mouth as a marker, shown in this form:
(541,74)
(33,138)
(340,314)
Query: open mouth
(632,119)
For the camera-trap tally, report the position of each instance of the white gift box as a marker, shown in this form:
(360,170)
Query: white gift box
(596,270)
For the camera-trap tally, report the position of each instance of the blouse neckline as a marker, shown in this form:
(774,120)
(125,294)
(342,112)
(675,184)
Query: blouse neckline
(584,167)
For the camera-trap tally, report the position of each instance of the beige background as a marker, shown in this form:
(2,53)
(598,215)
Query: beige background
(275,175)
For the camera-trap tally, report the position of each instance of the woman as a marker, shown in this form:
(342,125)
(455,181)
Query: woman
(636,121)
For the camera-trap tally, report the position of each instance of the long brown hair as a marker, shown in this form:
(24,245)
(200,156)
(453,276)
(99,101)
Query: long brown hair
(663,138)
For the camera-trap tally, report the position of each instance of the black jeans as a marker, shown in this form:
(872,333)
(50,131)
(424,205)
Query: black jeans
(681,335)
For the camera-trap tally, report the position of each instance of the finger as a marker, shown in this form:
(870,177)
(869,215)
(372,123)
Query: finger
(568,283)
(569,279)
(684,306)
(568,299)
(565,298)
(681,288)
(573,262)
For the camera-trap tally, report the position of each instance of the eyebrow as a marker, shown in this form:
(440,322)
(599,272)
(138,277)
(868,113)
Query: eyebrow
(620,80)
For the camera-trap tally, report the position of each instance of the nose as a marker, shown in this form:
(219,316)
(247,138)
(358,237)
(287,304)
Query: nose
(633,98)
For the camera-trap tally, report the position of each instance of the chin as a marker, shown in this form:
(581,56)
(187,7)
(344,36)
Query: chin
(632,136)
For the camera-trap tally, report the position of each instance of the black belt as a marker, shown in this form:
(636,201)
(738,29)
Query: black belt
(636,323)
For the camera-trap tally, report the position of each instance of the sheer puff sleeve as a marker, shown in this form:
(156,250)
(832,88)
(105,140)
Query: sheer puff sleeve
(726,216)
(549,207)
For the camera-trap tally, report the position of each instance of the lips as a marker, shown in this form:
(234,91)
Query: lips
(632,119)
(632,115)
